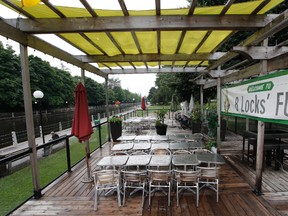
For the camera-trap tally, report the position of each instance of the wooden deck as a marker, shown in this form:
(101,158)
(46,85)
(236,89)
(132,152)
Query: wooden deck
(69,196)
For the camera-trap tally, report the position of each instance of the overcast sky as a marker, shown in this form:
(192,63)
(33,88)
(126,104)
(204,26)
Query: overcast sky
(136,83)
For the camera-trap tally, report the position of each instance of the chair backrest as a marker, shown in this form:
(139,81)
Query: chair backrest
(201,150)
(139,153)
(104,177)
(186,176)
(197,136)
(160,151)
(159,176)
(119,153)
(209,172)
(134,176)
(181,152)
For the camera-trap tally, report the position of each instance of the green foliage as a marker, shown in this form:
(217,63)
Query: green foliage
(212,118)
(116,119)
(196,113)
(211,143)
(160,114)
(57,84)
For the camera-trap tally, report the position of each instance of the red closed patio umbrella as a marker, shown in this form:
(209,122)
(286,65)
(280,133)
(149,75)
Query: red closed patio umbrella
(143,103)
(81,126)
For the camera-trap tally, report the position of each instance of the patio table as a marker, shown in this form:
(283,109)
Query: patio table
(114,161)
(138,160)
(210,158)
(195,145)
(160,161)
(159,138)
(185,160)
(142,146)
(163,145)
(126,138)
(179,145)
(122,147)
(143,138)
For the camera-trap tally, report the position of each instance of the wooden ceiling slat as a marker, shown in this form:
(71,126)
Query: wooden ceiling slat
(158,7)
(93,44)
(123,7)
(72,44)
(192,7)
(136,42)
(88,8)
(119,65)
(20,10)
(55,10)
(262,5)
(114,42)
(202,41)
(183,33)
(132,65)
(145,63)
(227,6)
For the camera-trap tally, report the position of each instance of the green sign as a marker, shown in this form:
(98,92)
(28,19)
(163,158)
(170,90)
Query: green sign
(260,87)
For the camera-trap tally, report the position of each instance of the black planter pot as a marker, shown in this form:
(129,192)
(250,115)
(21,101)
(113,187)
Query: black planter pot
(196,126)
(116,130)
(161,130)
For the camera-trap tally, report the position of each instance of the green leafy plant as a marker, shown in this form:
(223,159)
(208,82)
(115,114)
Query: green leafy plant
(211,143)
(212,119)
(196,113)
(160,117)
(115,119)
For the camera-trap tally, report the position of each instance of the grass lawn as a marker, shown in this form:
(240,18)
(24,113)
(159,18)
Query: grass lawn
(17,187)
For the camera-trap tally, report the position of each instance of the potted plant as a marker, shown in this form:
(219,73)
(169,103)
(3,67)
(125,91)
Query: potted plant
(161,127)
(212,145)
(196,118)
(115,127)
(212,118)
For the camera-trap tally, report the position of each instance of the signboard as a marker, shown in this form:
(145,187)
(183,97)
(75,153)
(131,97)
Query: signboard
(264,98)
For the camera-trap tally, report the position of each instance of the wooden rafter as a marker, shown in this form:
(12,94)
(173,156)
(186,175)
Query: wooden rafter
(115,42)
(192,7)
(142,23)
(151,57)
(88,8)
(123,7)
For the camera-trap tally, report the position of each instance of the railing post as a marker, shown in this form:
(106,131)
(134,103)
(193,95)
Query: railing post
(60,126)
(68,154)
(100,138)
(14,138)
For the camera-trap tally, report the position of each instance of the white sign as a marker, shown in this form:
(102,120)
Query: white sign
(264,98)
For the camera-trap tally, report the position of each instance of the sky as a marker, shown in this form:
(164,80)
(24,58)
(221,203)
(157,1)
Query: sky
(136,83)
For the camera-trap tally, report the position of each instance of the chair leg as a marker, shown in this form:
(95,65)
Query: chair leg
(118,195)
(143,191)
(197,195)
(177,191)
(149,193)
(217,188)
(124,194)
(96,200)
(169,189)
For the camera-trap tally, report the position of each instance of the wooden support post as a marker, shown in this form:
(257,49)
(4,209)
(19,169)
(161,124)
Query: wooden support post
(107,108)
(260,156)
(29,119)
(219,114)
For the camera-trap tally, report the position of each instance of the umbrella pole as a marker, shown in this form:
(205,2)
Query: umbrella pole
(87,179)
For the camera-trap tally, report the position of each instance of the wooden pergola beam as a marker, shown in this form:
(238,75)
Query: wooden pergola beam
(153,70)
(151,57)
(142,23)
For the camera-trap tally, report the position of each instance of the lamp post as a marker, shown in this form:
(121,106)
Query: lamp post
(133,102)
(39,95)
